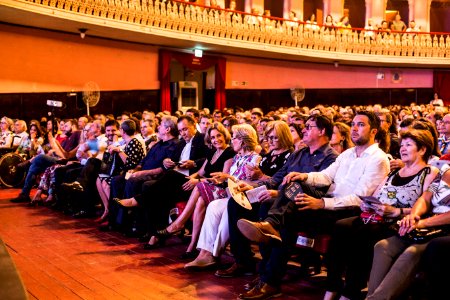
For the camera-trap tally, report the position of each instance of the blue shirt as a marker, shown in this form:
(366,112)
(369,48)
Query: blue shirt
(304,161)
(156,155)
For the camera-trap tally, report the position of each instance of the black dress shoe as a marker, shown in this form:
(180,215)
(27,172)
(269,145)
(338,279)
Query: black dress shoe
(190,254)
(21,199)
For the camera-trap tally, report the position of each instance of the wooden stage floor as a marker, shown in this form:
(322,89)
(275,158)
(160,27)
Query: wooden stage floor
(59,257)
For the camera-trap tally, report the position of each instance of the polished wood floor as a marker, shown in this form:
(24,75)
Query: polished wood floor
(59,257)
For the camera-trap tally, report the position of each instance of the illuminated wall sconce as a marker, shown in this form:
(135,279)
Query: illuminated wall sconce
(82,32)
(198,53)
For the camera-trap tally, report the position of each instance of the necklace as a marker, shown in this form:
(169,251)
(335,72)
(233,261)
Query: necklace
(217,155)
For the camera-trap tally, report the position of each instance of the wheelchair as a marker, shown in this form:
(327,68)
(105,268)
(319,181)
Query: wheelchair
(10,174)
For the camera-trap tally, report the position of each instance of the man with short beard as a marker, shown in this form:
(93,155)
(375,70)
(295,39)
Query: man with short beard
(356,172)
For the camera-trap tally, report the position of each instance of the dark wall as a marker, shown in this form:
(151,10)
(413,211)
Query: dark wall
(269,99)
(33,105)
(401,6)
(357,12)
(439,16)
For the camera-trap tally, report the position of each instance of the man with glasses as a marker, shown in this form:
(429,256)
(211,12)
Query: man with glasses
(356,172)
(317,156)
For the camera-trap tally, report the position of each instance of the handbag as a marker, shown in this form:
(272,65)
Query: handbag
(424,235)
(371,217)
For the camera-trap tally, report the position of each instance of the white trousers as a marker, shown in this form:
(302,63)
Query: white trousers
(214,235)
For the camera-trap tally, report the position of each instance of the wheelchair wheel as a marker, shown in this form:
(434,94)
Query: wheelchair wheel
(10,175)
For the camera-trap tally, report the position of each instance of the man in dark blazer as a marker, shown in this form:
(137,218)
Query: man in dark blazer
(159,196)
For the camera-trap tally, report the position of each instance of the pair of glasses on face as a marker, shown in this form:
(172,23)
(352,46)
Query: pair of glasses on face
(272,138)
(309,127)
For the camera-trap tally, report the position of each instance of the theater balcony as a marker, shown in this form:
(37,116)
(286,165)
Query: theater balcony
(180,25)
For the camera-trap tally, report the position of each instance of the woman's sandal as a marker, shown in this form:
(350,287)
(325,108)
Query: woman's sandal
(161,236)
(124,204)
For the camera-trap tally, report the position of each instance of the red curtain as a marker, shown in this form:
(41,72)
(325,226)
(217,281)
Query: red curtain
(441,85)
(193,63)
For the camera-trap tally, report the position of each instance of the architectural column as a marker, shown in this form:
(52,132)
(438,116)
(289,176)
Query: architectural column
(421,15)
(248,6)
(286,8)
(368,10)
(378,11)
(336,9)
(411,5)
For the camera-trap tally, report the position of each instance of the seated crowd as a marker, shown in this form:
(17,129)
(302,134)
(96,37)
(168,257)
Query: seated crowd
(373,179)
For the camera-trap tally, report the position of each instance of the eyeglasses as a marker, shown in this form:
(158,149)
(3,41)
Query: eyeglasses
(308,127)
(272,138)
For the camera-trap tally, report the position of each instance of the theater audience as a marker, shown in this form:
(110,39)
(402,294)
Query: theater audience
(174,171)
(356,172)
(351,246)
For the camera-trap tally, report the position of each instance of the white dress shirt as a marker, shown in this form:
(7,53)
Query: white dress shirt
(351,176)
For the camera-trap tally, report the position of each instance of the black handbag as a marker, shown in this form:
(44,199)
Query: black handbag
(424,235)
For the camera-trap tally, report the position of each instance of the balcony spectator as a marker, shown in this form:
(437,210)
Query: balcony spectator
(398,24)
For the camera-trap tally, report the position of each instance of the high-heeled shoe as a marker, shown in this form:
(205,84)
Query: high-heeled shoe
(164,233)
(159,243)
(124,203)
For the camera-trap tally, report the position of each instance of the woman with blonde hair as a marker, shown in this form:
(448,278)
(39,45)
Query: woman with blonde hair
(214,233)
(6,136)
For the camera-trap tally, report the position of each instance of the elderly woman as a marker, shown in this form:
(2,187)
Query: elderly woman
(351,247)
(219,160)
(6,136)
(397,258)
(340,140)
(214,232)
(126,157)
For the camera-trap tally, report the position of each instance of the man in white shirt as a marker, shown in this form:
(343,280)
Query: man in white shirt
(356,172)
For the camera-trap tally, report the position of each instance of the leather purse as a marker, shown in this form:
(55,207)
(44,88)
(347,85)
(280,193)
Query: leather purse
(424,235)
(370,217)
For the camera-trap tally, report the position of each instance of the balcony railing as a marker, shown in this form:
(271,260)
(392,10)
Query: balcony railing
(185,17)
